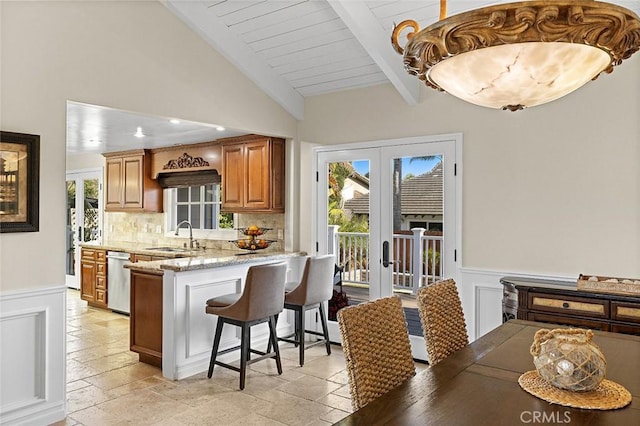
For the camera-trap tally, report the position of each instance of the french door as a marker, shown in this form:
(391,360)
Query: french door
(84,218)
(389,212)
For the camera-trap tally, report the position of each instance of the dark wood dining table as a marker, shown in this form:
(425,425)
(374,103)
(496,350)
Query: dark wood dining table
(478,385)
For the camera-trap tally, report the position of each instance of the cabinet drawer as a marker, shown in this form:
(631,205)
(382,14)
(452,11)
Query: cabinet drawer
(101,296)
(626,329)
(628,312)
(101,256)
(101,283)
(88,254)
(567,320)
(569,305)
(101,269)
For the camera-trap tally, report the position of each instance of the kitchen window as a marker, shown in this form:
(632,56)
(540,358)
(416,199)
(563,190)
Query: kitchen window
(201,206)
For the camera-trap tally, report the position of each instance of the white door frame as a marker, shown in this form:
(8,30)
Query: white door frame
(451,145)
(73,281)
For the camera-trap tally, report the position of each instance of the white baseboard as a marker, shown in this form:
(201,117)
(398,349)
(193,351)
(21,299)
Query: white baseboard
(33,361)
(481,296)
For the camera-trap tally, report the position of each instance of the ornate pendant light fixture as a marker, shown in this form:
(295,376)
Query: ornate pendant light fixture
(518,55)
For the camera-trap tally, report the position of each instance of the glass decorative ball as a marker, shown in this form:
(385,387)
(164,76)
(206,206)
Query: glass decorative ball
(568,359)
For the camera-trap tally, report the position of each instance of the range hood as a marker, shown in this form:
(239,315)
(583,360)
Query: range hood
(176,179)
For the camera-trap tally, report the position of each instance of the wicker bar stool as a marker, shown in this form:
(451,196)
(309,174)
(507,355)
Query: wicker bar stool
(315,288)
(376,347)
(261,300)
(445,330)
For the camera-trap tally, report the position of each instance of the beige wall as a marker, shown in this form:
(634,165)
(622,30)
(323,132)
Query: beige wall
(553,190)
(131,55)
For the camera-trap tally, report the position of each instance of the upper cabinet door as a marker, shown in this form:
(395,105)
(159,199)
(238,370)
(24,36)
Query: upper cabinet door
(133,182)
(113,193)
(233,176)
(257,172)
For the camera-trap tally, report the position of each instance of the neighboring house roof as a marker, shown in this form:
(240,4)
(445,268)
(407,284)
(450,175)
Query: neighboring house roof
(420,195)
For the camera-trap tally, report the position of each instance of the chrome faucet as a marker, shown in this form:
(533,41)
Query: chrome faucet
(190,231)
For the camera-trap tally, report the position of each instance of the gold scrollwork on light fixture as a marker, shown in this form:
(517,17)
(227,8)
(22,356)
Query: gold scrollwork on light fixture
(595,36)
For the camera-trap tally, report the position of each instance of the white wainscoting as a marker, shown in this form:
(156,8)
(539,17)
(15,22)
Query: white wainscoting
(481,297)
(32,364)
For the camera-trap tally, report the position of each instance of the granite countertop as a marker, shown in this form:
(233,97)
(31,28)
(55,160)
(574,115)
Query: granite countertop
(215,259)
(179,260)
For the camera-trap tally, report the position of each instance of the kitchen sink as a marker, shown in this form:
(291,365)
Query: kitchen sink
(173,249)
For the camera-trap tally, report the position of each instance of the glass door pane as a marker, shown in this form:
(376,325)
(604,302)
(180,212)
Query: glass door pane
(84,219)
(71,228)
(348,219)
(417,190)
(91,216)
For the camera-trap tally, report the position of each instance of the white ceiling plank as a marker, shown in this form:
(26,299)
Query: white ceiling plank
(321,39)
(297,12)
(217,34)
(298,34)
(326,68)
(376,41)
(325,52)
(346,84)
(339,75)
(258,10)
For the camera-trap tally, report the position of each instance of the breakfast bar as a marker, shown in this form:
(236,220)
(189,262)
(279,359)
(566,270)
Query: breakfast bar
(169,326)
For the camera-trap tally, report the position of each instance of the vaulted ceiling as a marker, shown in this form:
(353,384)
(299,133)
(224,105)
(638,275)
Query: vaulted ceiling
(291,49)
(298,48)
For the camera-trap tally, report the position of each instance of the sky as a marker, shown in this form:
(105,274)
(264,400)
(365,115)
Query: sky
(416,167)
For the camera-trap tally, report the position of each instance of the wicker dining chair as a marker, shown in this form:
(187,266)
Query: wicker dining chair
(375,342)
(445,330)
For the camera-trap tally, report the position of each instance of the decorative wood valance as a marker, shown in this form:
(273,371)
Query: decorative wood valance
(185,162)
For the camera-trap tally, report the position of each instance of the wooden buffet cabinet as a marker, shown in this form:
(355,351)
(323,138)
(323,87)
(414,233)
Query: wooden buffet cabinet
(93,277)
(560,303)
(129,186)
(253,170)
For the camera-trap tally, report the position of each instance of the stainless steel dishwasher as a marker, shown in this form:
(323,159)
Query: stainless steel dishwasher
(118,290)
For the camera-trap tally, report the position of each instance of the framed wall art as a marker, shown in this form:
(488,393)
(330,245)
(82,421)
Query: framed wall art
(19,182)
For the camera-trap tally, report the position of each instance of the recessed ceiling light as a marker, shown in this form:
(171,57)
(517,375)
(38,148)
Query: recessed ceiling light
(174,121)
(138,133)
(220,129)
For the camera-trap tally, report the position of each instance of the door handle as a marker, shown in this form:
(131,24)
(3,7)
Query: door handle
(385,255)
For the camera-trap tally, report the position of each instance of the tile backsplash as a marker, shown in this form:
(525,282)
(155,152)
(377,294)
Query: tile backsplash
(150,229)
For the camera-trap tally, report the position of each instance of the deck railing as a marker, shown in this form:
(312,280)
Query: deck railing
(416,258)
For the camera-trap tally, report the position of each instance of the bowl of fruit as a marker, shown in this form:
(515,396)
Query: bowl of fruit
(252,243)
(253,230)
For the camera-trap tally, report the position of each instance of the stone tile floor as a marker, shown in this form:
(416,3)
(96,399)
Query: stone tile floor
(106,385)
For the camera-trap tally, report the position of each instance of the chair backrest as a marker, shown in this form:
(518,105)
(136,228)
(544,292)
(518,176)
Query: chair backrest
(376,347)
(316,284)
(445,330)
(263,294)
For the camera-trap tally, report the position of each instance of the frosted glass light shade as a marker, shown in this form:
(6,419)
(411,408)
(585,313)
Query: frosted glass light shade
(522,54)
(520,74)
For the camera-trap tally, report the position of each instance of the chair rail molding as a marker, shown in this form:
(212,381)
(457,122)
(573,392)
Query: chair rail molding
(481,296)
(33,361)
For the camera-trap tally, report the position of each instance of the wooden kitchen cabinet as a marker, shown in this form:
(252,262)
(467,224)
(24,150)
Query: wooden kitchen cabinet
(129,186)
(253,170)
(146,317)
(93,277)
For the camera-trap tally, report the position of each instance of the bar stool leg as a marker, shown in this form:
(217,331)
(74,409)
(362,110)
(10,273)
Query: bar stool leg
(216,343)
(274,338)
(269,340)
(301,332)
(325,330)
(244,354)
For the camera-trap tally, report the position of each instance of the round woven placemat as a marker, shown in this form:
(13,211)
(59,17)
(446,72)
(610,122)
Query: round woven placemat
(607,396)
